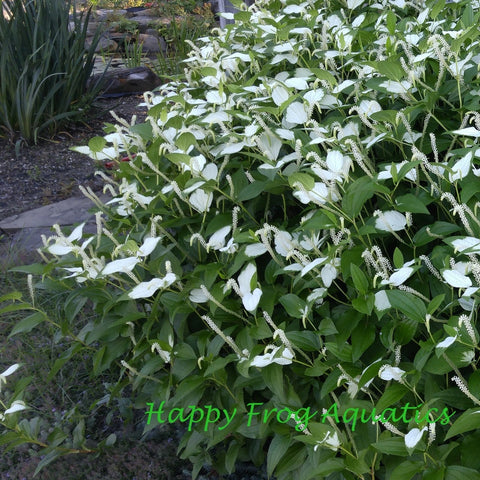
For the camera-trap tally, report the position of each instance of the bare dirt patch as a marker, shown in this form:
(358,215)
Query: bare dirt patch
(36,175)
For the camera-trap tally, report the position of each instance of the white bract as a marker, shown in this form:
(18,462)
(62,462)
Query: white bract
(319,194)
(387,372)
(381,301)
(8,372)
(330,441)
(296,113)
(400,275)
(197,295)
(446,343)
(250,298)
(272,355)
(64,245)
(387,172)
(284,243)
(461,168)
(201,200)
(414,436)
(255,249)
(120,266)
(468,132)
(218,239)
(16,406)
(148,246)
(147,289)
(390,221)
(456,279)
(467,244)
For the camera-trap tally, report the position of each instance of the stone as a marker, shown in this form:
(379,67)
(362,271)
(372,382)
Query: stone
(152,43)
(127,81)
(146,12)
(105,44)
(145,22)
(105,14)
(66,212)
(24,231)
(93,26)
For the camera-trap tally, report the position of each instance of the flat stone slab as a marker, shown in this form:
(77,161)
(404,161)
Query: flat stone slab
(67,212)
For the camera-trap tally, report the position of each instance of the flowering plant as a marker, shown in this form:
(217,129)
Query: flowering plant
(298,226)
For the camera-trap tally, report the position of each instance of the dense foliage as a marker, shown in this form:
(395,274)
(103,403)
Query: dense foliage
(44,66)
(297,228)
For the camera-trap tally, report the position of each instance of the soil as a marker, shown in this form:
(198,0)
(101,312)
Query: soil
(35,175)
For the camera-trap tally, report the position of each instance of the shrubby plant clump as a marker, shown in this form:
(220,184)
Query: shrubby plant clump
(298,227)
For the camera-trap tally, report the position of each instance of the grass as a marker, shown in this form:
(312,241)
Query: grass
(61,401)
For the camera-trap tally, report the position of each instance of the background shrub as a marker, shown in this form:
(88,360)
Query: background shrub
(44,66)
(298,228)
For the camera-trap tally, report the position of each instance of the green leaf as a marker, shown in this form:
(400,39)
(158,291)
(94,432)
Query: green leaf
(79,434)
(391,22)
(456,355)
(208,72)
(231,456)
(469,420)
(74,304)
(252,190)
(438,6)
(11,296)
(438,229)
(178,158)
(435,303)
(15,307)
(359,279)
(324,75)
(293,305)
(277,449)
(364,304)
(304,179)
(28,323)
(408,304)
(385,116)
(457,472)
(362,337)
(189,385)
(305,340)
(410,203)
(434,474)
(406,470)
(47,459)
(391,446)
(356,195)
(398,260)
(64,357)
(326,468)
(405,331)
(393,394)
(273,376)
(97,144)
(293,459)
(390,68)
(185,140)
